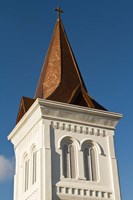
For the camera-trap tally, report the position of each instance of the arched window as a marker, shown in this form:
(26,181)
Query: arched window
(34,165)
(90,165)
(26,173)
(68,159)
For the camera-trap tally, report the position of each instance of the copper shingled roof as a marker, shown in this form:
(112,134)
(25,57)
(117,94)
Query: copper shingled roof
(60,79)
(25,104)
(60,75)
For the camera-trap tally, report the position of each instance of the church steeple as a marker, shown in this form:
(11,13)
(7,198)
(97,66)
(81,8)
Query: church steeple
(64,151)
(60,78)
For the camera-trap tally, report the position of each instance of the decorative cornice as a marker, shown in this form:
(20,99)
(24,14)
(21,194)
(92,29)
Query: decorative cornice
(77,114)
(76,128)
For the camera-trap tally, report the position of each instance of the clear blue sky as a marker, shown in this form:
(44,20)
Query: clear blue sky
(101,35)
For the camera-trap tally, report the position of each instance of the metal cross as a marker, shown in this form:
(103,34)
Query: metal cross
(58,9)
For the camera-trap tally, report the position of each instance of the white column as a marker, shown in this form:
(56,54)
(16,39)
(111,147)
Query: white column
(114,168)
(81,173)
(47,168)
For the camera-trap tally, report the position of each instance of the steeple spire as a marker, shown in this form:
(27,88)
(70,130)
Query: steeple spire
(60,79)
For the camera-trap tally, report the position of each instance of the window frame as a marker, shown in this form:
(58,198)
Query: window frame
(70,142)
(26,172)
(90,162)
(34,165)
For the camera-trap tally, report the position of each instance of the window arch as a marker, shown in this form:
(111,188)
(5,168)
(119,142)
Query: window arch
(68,158)
(34,165)
(90,161)
(26,173)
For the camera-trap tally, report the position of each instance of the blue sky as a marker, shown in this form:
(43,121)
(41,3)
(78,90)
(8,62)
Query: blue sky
(101,35)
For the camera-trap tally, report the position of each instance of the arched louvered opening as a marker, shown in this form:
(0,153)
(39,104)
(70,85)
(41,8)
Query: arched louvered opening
(68,160)
(90,164)
(26,173)
(34,165)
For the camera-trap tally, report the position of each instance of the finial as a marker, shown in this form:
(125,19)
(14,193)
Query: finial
(58,9)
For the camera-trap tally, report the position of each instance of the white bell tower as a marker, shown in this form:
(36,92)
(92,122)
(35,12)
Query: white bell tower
(64,139)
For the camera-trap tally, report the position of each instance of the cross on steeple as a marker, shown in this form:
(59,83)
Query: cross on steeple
(58,9)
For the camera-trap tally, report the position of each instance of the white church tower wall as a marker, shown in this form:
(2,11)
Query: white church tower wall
(46,127)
